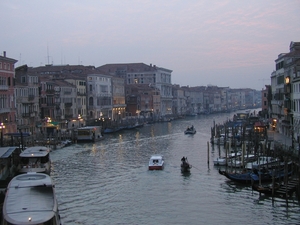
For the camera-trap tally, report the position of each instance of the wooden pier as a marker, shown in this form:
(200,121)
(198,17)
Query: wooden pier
(288,189)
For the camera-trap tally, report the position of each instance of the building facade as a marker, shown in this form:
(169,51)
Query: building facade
(7,96)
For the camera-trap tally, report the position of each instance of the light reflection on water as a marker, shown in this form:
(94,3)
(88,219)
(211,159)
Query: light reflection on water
(109,182)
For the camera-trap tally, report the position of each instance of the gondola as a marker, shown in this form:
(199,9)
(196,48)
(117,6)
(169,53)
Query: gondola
(268,189)
(185,166)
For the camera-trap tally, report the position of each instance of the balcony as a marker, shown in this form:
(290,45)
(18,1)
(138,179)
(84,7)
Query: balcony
(5,110)
(68,104)
(30,97)
(25,115)
(3,87)
(50,91)
(80,94)
(28,114)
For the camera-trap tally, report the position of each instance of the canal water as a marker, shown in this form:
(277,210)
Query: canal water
(109,182)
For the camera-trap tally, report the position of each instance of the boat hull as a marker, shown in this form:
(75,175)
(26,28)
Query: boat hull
(189,132)
(266,189)
(185,168)
(159,167)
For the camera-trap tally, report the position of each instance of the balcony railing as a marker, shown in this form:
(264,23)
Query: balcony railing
(50,91)
(30,97)
(67,105)
(3,87)
(5,110)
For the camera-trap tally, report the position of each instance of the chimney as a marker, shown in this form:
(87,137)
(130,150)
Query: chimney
(4,53)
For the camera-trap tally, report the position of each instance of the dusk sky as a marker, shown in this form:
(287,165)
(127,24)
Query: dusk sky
(225,43)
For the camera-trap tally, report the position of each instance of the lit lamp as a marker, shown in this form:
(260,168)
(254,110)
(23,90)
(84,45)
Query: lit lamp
(1,128)
(287,80)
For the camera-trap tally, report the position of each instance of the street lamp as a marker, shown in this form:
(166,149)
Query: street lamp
(1,128)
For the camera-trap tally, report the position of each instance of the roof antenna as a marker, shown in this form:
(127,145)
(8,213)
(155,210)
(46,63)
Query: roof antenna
(48,54)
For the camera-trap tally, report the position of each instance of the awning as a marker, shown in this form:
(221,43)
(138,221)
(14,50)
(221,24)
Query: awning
(24,134)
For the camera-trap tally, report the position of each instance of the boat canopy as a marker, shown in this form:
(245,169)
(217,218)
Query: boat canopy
(5,152)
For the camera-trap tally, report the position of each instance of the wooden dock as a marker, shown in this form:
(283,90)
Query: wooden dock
(287,189)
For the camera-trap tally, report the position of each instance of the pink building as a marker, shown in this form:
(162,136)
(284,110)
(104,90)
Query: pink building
(7,101)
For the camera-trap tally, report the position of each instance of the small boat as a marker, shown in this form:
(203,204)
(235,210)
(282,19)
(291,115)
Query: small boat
(255,176)
(223,160)
(220,161)
(263,161)
(35,159)
(30,199)
(239,162)
(89,134)
(243,177)
(267,189)
(190,130)
(156,162)
(9,158)
(185,166)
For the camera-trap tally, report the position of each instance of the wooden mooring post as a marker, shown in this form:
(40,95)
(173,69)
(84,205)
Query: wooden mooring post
(208,153)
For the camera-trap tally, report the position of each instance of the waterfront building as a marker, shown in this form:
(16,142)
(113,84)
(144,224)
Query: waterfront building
(140,73)
(194,98)
(292,90)
(27,100)
(118,98)
(285,98)
(179,101)
(80,83)
(7,96)
(99,96)
(142,100)
(266,96)
(74,74)
(237,98)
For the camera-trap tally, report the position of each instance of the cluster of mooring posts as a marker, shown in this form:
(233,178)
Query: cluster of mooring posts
(245,142)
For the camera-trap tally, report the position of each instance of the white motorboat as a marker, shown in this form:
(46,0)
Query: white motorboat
(223,160)
(219,140)
(238,162)
(220,161)
(35,159)
(30,199)
(262,161)
(156,162)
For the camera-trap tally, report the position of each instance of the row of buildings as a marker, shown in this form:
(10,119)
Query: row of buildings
(61,97)
(281,99)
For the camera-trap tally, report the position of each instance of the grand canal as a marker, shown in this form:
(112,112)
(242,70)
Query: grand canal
(109,183)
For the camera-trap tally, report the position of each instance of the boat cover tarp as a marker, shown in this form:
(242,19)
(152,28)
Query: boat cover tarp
(5,152)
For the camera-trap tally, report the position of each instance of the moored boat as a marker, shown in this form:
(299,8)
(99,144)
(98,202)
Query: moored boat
(255,176)
(30,199)
(9,164)
(262,161)
(156,162)
(35,159)
(89,134)
(223,160)
(242,177)
(267,189)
